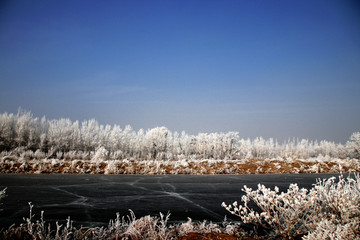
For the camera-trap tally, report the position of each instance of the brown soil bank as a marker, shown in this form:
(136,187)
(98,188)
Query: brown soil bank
(9,164)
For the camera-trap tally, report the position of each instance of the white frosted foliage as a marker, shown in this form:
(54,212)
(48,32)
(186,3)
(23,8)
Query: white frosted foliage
(331,209)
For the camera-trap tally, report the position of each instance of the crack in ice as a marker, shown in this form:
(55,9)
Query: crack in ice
(176,195)
(179,196)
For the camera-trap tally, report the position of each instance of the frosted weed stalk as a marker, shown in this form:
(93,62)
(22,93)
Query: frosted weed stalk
(2,195)
(32,229)
(122,228)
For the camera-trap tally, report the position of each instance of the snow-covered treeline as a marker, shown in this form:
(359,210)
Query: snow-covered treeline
(22,132)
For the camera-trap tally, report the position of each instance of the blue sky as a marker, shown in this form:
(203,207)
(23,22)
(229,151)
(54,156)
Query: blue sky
(277,68)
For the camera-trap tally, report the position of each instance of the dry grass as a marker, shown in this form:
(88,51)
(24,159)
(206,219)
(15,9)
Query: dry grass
(10,164)
(125,228)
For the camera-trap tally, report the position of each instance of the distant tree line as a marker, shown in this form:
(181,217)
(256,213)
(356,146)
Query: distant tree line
(23,132)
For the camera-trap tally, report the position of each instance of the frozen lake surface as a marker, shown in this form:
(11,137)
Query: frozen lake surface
(92,200)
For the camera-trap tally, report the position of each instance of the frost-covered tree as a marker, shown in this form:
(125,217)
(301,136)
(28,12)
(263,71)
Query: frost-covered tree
(7,131)
(26,130)
(139,148)
(104,136)
(115,138)
(44,141)
(90,134)
(61,134)
(176,146)
(259,148)
(76,139)
(23,132)
(158,142)
(128,136)
(244,148)
(354,145)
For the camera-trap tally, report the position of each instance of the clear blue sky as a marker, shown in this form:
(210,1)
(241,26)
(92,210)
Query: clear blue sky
(263,68)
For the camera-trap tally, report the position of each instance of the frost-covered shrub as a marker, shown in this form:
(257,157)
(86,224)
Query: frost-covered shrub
(39,154)
(289,214)
(71,155)
(29,154)
(340,199)
(200,227)
(59,155)
(112,167)
(329,230)
(330,210)
(341,204)
(117,155)
(100,154)
(148,227)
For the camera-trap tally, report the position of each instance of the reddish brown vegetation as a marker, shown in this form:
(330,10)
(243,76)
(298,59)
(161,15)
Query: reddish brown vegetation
(251,166)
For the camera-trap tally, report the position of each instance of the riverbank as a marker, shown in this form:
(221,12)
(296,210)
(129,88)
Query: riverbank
(11,164)
(144,228)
